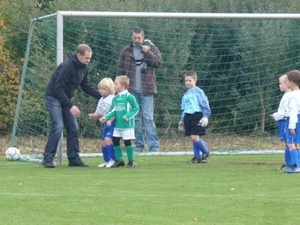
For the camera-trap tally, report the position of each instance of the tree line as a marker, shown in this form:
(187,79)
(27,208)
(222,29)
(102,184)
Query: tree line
(232,55)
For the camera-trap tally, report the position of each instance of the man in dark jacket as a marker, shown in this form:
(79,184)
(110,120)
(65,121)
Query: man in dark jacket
(70,74)
(138,61)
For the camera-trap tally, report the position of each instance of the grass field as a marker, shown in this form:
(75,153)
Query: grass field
(233,190)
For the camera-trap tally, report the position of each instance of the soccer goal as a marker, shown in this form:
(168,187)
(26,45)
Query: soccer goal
(238,59)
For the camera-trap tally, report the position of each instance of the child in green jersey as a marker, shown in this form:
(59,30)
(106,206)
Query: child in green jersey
(123,109)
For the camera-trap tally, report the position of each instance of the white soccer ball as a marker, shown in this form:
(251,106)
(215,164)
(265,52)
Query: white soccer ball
(12,154)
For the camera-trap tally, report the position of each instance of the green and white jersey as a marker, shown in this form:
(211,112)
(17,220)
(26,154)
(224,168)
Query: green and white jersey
(123,109)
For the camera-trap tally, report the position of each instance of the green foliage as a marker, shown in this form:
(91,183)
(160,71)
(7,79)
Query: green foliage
(8,80)
(222,54)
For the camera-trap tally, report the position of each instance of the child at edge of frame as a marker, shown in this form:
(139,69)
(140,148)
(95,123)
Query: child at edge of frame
(194,117)
(293,121)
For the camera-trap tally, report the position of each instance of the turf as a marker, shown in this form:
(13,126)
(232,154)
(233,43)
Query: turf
(245,189)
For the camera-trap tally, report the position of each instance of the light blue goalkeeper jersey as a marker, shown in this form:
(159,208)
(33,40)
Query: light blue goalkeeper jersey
(195,100)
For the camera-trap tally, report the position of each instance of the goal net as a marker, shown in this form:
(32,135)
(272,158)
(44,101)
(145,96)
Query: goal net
(238,59)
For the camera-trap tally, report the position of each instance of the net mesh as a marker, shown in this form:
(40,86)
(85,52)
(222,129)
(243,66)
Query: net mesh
(238,63)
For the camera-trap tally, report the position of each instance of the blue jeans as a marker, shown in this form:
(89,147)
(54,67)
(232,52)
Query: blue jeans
(146,111)
(60,117)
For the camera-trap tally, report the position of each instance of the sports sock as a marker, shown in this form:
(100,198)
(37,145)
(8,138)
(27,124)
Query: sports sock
(287,156)
(294,157)
(196,150)
(118,152)
(111,152)
(130,152)
(202,147)
(105,154)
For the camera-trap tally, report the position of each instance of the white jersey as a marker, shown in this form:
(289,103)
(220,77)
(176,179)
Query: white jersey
(283,108)
(294,108)
(104,104)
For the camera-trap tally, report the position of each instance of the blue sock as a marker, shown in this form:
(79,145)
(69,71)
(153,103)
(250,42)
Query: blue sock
(287,156)
(196,151)
(202,147)
(105,154)
(294,157)
(111,152)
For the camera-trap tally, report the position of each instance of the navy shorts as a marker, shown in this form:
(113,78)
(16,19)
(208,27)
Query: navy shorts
(192,125)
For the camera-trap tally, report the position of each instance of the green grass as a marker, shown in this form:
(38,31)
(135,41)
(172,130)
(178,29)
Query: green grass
(233,190)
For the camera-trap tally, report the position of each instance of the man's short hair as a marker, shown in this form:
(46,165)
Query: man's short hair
(138,30)
(83,48)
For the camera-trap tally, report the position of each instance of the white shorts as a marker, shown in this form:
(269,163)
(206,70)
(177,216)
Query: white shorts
(127,134)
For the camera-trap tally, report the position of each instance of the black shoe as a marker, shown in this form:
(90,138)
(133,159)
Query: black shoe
(131,164)
(205,157)
(48,164)
(195,160)
(118,163)
(77,164)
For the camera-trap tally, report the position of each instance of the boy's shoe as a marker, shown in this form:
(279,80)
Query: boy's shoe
(118,163)
(131,164)
(48,164)
(104,164)
(77,164)
(110,163)
(195,160)
(205,157)
(292,170)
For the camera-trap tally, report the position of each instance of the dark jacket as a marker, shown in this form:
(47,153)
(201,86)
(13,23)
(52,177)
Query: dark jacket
(66,78)
(127,64)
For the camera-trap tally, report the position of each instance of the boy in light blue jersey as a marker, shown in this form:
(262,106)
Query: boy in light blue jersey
(123,110)
(194,118)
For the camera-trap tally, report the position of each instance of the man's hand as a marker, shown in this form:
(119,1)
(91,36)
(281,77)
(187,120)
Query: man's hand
(145,48)
(203,122)
(75,111)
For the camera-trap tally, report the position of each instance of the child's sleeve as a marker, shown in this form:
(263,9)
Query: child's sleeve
(293,106)
(134,108)
(204,104)
(182,109)
(112,111)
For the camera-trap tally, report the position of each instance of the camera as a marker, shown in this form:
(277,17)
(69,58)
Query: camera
(144,68)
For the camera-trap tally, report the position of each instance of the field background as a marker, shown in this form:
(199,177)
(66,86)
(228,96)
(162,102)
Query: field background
(166,190)
(220,142)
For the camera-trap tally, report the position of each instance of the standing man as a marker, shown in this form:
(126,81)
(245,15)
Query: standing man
(138,62)
(64,81)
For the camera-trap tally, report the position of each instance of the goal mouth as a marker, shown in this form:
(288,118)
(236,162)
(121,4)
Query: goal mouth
(238,59)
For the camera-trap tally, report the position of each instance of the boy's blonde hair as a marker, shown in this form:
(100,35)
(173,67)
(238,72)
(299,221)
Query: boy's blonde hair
(107,84)
(284,78)
(192,74)
(123,80)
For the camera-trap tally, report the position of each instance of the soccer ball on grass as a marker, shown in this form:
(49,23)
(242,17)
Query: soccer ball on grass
(12,154)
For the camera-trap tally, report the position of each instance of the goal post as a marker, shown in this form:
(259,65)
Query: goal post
(238,58)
